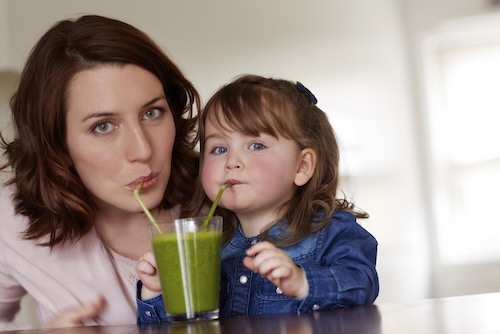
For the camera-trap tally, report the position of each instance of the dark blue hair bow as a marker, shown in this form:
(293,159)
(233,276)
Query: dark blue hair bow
(307,92)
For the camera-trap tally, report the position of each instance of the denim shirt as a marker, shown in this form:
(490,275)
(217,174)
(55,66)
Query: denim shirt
(339,261)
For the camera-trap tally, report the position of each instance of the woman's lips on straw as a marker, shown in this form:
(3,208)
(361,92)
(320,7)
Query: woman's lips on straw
(147,182)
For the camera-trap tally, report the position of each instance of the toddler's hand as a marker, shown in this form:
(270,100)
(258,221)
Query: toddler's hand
(275,265)
(146,269)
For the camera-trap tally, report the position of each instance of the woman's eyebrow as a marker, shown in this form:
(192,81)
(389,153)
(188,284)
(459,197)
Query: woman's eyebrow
(100,114)
(153,101)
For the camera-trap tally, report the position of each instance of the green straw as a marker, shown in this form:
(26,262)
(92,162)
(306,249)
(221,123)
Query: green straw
(150,216)
(214,205)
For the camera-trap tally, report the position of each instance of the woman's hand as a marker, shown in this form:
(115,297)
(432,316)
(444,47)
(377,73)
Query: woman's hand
(275,265)
(148,273)
(75,317)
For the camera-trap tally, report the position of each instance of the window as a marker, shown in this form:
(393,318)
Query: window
(462,76)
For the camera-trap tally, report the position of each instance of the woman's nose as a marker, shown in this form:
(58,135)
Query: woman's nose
(139,144)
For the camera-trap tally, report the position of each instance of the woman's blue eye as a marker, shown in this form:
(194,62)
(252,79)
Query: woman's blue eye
(219,150)
(257,146)
(103,128)
(153,113)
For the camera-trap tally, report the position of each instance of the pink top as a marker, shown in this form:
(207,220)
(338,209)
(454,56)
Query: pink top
(63,278)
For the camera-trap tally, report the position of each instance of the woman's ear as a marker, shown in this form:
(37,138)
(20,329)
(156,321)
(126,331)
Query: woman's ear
(305,167)
(68,161)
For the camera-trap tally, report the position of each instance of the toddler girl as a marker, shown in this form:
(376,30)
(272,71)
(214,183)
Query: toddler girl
(289,244)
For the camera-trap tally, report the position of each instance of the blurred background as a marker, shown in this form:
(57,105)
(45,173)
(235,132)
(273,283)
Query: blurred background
(410,87)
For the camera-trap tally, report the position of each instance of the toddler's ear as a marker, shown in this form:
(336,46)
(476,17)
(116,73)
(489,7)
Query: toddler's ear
(305,167)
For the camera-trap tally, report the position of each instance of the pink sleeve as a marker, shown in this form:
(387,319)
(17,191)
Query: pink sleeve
(11,292)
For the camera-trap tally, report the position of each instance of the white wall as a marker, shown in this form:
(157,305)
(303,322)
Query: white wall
(4,43)
(358,58)
(8,82)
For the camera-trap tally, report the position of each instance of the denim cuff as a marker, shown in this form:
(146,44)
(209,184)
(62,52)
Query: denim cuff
(150,311)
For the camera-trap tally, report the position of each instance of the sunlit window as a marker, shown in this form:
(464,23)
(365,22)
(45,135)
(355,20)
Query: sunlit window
(463,73)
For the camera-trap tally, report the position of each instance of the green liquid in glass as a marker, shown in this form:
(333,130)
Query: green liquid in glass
(201,251)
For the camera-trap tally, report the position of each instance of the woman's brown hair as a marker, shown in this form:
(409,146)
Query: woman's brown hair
(253,105)
(50,193)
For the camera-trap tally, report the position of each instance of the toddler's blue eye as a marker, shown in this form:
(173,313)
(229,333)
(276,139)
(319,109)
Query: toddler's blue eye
(219,150)
(257,146)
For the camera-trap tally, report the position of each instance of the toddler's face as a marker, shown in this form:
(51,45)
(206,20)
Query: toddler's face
(262,170)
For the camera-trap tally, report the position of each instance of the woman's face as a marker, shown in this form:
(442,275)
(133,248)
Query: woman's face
(120,131)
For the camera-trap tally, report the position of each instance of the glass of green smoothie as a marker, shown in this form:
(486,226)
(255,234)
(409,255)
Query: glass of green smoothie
(187,253)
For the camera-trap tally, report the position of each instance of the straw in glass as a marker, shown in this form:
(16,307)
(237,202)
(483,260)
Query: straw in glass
(216,202)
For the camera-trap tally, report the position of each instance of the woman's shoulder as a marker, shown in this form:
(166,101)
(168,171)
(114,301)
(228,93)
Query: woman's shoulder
(7,206)
(6,190)
(11,223)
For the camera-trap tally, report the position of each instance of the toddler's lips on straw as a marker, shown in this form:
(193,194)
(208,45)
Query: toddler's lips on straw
(230,183)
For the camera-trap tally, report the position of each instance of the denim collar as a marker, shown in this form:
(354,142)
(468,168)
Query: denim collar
(239,240)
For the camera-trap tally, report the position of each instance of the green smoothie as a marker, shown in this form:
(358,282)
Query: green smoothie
(200,274)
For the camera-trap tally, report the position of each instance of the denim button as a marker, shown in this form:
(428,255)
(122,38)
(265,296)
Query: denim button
(315,307)
(254,241)
(278,291)
(148,313)
(243,279)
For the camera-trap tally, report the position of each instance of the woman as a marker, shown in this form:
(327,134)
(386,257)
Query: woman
(99,109)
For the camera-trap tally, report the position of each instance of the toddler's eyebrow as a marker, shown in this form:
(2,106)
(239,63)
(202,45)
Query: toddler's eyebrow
(215,135)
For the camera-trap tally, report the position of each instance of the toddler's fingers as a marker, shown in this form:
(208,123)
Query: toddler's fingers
(144,267)
(260,247)
(248,262)
(148,257)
